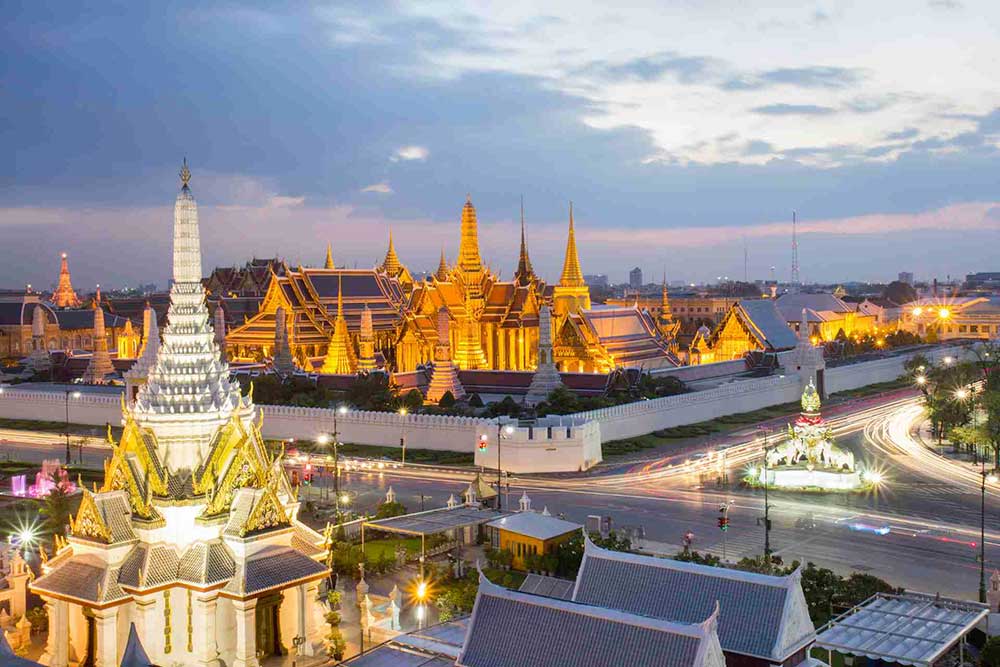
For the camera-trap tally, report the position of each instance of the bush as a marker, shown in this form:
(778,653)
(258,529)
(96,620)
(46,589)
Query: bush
(413,400)
(447,401)
(990,655)
(475,401)
(387,510)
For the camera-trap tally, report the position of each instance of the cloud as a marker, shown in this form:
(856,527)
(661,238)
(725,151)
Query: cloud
(798,77)
(793,110)
(382,188)
(685,69)
(945,4)
(408,153)
(901,135)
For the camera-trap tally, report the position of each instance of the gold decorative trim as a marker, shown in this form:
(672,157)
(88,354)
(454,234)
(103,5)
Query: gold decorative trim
(89,523)
(167,629)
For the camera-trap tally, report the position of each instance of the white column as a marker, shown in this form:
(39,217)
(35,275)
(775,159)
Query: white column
(206,650)
(57,647)
(148,626)
(106,621)
(306,625)
(246,633)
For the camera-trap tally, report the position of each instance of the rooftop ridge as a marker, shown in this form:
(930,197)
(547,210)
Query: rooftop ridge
(700,630)
(591,550)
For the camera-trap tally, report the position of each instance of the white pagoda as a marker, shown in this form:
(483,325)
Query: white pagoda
(193,536)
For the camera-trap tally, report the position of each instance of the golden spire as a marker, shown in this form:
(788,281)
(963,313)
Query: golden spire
(329,257)
(572,276)
(340,359)
(65,296)
(525,273)
(391,263)
(468,249)
(442,270)
(665,313)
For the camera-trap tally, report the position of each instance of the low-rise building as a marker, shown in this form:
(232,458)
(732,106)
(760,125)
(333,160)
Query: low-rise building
(827,316)
(951,318)
(528,533)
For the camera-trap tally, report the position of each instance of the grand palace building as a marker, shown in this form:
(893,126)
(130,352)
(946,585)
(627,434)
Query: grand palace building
(493,323)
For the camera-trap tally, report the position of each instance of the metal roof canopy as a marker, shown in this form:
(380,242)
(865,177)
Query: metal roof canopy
(910,628)
(432,522)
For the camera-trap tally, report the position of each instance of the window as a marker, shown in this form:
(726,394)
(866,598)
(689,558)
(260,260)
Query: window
(973,328)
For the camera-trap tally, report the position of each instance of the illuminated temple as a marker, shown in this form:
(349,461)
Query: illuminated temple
(493,323)
(193,535)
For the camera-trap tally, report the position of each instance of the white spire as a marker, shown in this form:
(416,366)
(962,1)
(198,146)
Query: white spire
(188,394)
(150,346)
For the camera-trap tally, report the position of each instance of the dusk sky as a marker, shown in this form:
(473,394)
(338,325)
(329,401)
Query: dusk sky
(680,131)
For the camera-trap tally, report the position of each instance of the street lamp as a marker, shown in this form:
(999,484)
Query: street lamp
(341,410)
(74,394)
(402,435)
(992,479)
(502,432)
(767,506)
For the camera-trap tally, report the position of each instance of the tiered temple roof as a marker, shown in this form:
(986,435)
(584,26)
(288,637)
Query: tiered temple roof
(65,296)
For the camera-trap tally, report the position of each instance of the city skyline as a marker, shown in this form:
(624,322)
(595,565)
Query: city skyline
(333,126)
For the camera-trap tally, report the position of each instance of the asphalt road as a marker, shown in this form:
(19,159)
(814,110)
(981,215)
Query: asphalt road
(919,531)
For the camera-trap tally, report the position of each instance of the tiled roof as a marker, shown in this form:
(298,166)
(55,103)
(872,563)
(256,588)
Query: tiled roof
(791,304)
(148,566)
(84,577)
(84,319)
(206,563)
(273,567)
(511,628)
(754,608)
(117,514)
(536,525)
(550,587)
(767,324)
(307,541)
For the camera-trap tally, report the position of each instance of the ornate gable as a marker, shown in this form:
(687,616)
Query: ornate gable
(241,458)
(89,523)
(267,513)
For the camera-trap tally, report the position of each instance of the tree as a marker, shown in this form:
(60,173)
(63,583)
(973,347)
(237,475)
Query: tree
(899,292)
(456,597)
(990,655)
(569,554)
(374,391)
(447,401)
(475,401)
(56,507)
(413,400)
(388,510)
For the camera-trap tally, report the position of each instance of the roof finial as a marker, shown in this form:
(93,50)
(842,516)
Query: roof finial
(185,173)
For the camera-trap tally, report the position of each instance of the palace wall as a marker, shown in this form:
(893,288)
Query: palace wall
(556,444)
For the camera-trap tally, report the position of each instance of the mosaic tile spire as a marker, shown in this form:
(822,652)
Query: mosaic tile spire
(65,296)
(469,259)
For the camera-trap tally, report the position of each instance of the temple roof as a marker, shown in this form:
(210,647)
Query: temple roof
(274,567)
(572,274)
(765,323)
(84,319)
(83,577)
(756,609)
(513,628)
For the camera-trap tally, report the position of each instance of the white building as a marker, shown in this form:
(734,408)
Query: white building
(193,536)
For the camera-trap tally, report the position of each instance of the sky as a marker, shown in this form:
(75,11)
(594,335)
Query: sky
(685,133)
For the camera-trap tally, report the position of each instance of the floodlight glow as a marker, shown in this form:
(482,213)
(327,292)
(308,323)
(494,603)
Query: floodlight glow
(921,380)
(992,479)
(918,311)
(323,439)
(508,429)
(342,410)
(961,394)
(944,313)
(76,394)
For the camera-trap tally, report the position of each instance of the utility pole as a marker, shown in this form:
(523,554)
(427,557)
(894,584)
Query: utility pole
(795,254)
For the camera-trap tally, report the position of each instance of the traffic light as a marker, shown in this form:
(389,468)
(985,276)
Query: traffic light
(484,441)
(307,475)
(723,523)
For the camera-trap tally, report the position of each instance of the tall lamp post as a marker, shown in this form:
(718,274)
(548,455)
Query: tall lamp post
(502,432)
(767,506)
(334,441)
(74,394)
(992,479)
(402,433)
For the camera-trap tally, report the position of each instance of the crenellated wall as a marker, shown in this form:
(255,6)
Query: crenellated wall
(556,444)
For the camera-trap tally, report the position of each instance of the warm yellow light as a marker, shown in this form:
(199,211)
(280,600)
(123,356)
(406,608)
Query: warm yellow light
(961,394)
(344,499)
(402,412)
(342,410)
(921,380)
(814,340)
(323,439)
(421,591)
(944,313)
(992,479)
(918,311)
(947,361)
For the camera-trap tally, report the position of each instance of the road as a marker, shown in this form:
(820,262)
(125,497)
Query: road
(919,531)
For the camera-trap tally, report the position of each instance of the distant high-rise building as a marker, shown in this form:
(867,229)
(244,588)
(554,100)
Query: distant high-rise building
(905,277)
(635,278)
(596,280)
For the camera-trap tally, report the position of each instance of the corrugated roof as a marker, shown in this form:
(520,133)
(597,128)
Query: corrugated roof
(752,606)
(550,587)
(536,525)
(511,628)
(911,629)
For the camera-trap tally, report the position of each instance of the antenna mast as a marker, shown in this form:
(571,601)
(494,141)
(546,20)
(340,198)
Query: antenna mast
(795,253)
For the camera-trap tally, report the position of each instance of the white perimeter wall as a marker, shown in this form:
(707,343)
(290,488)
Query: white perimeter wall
(572,446)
